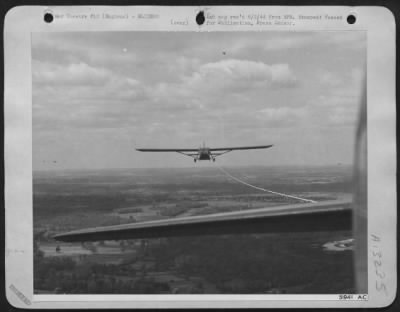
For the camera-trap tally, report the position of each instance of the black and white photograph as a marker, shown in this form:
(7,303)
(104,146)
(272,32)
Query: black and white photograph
(208,163)
(200,157)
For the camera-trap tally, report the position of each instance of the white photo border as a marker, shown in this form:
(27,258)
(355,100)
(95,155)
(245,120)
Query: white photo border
(379,24)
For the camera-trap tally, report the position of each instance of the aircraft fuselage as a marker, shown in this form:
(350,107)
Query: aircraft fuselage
(204,154)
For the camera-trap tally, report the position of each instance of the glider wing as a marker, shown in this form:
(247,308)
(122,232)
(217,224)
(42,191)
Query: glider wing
(240,148)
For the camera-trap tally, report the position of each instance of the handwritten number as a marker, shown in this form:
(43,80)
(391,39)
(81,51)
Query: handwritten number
(381,287)
(379,254)
(375,238)
(381,275)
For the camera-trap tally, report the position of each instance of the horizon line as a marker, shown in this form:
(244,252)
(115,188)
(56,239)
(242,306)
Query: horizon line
(190,167)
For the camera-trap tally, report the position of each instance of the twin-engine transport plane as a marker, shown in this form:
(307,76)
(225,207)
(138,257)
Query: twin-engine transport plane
(203,152)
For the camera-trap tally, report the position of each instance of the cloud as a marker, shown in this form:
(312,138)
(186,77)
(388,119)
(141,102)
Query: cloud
(277,42)
(79,81)
(72,75)
(180,89)
(238,75)
(124,53)
(77,96)
(282,115)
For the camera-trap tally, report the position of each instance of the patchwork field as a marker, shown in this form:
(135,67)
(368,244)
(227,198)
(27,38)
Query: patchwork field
(252,263)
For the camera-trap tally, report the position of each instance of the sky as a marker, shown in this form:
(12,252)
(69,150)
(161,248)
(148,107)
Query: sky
(98,95)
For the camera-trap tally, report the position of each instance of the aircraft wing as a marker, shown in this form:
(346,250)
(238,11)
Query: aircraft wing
(240,148)
(308,217)
(167,149)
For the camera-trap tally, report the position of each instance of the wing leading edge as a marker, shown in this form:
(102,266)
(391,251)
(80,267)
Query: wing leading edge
(197,149)
(309,217)
(240,148)
(167,149)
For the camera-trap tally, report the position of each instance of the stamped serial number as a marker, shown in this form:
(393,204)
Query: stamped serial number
(353,297)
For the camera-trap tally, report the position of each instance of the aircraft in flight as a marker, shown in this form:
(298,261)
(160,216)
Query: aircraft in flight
(331,215)
(203,152)
(312,216)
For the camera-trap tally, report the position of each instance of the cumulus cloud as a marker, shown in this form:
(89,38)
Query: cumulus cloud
(73,74)
(77,96)
(237,75)
(283,115)
(172,89)
(81,81)
(278,42)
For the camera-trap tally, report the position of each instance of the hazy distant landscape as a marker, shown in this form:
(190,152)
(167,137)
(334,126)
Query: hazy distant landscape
(245,263)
